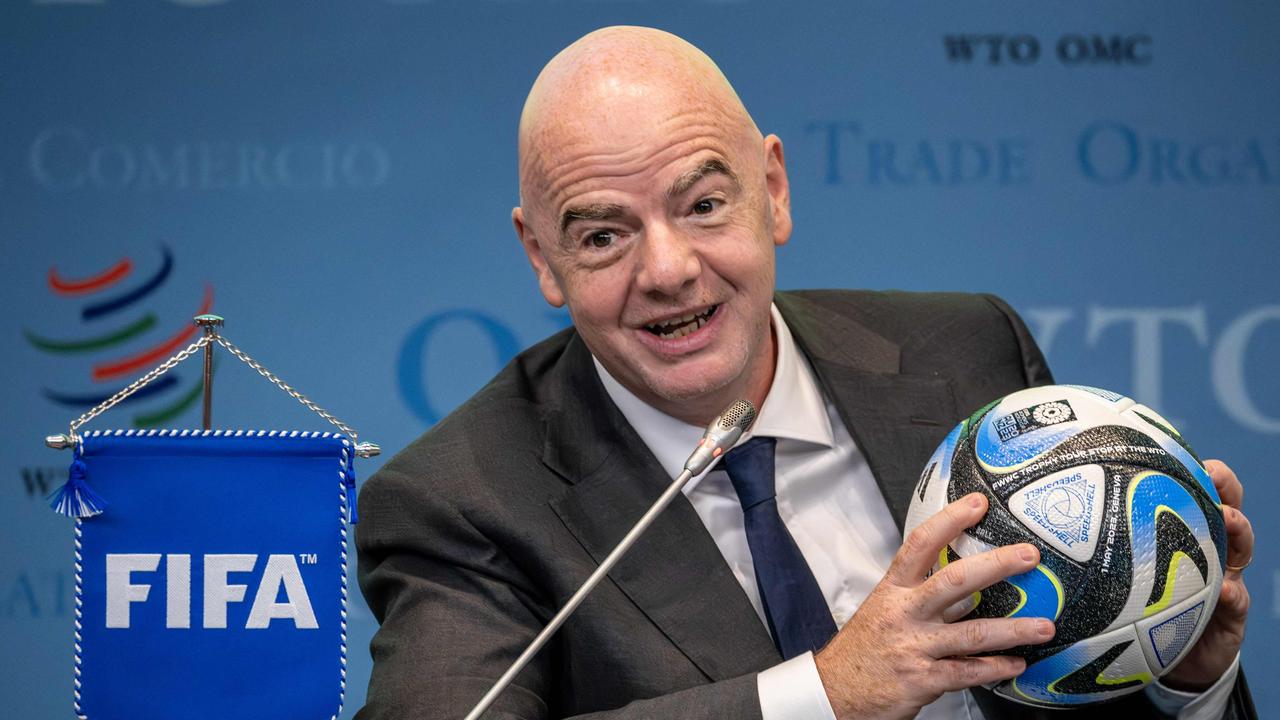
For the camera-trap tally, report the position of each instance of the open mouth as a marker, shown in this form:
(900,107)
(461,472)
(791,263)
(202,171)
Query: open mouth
(681,326)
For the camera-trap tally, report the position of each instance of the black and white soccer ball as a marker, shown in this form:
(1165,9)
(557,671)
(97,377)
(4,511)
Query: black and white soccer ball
(1128,523)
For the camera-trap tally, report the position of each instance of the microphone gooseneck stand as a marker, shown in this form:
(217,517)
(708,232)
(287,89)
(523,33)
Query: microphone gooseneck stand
(721,435)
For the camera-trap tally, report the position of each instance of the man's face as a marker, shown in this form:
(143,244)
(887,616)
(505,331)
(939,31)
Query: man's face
(658,230)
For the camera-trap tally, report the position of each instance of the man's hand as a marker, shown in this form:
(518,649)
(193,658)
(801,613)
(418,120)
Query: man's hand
(898,654)
(1214,652)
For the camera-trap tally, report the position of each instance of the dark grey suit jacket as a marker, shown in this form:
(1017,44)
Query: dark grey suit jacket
(472,537)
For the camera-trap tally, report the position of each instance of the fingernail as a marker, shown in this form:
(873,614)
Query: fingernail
(975,500)
(1044,628)
(1026,552)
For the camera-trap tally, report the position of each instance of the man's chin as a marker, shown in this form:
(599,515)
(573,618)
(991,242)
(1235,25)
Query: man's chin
(696,390)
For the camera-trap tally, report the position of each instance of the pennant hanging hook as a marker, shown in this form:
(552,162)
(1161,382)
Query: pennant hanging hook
(210,324)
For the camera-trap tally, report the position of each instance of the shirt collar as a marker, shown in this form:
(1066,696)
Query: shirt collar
(794,408)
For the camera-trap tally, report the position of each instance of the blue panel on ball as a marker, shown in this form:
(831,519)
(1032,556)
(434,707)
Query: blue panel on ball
(1150,495)
(1042,594)
(1193,466)
(1078,675)
(1006,455)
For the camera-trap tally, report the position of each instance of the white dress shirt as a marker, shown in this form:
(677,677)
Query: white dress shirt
(834,510)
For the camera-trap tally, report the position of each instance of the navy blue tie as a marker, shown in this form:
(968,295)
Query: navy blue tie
(798,616)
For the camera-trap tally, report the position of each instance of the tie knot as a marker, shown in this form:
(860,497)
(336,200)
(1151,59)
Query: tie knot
(750,468)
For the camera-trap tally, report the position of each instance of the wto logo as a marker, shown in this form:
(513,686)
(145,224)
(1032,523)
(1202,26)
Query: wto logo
(133,321)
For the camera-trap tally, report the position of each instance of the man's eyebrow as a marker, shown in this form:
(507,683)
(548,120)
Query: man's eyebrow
(713,166)
(596,211)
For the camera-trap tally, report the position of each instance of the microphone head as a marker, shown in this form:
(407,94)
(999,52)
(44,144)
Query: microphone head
(721,435)
(740,415)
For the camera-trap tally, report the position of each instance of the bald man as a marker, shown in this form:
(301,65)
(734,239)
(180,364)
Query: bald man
(651,206)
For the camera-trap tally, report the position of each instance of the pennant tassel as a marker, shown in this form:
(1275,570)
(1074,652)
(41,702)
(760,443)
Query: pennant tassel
(75,498)
(349,479)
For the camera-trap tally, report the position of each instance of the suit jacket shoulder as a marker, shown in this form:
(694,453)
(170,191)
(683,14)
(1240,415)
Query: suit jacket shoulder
(492,434)
(957,334)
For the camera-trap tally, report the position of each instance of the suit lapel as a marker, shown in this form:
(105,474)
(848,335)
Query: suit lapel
(675,573)
(896,419)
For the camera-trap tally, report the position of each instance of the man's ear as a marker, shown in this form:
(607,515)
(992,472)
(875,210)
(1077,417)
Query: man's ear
(547,282)
(775,175)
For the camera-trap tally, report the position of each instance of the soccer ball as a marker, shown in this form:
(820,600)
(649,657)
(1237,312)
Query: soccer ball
(1128,523)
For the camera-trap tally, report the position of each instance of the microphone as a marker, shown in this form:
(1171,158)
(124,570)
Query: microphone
(720,436)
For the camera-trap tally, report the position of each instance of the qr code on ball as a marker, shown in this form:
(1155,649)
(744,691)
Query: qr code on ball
(1035,417)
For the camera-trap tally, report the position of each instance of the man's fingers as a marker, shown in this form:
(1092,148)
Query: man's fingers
(966,672)
(920,550)
(957,610)
(1234,599)
(988,634)
(1228,485)
(1239,539)
(968,575)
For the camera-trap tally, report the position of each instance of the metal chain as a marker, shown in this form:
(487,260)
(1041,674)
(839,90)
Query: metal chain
(275,380)
(190,350)
(137,385)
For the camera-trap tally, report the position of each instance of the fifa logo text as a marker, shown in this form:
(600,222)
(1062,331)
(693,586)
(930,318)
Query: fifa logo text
(281,571)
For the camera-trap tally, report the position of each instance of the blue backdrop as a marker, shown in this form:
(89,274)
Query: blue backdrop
(336,179)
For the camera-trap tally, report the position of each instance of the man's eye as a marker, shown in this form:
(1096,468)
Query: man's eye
(602,239)
(705,206)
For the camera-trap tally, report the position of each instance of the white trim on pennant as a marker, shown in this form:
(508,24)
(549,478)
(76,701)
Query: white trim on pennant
(343,513)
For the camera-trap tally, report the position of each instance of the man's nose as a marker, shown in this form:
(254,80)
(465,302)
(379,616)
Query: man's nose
(669,262)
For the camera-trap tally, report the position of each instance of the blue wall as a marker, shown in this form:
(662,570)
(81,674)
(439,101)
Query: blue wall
(341,175)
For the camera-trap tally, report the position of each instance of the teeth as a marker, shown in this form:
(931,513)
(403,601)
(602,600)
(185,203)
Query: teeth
(674,322)
(679,327)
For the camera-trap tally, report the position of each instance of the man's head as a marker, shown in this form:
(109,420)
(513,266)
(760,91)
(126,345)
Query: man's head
(651,206)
